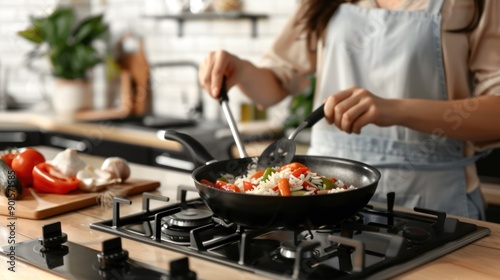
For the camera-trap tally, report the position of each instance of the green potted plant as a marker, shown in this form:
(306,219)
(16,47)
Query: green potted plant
(70,48)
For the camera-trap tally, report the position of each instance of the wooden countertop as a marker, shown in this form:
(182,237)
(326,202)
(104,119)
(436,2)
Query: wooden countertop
(106,130)
(479,260)
(103,130)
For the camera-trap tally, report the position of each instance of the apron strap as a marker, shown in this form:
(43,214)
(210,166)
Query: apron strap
(434,7)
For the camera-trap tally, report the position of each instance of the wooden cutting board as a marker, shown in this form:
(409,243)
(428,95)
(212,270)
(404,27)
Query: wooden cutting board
(37,205)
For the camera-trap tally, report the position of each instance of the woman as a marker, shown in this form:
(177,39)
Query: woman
(411,87)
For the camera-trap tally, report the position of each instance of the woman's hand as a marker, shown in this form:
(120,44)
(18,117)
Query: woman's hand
(258,84)
(353,108)
(216,65)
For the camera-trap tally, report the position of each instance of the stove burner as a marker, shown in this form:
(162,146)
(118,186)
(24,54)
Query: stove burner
(416,234)
(176,228)
(288,250)
(356,219)
(189,218)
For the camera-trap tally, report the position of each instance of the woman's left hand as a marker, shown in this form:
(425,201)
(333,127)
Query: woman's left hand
(353,108)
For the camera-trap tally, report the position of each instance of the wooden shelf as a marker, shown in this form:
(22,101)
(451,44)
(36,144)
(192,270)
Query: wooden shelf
(183,17)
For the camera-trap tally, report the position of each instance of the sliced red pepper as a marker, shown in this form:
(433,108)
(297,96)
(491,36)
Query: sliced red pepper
(308,186)
(293,166)
(45,182)
(247,186)
(284,187)
(206,182)
(299,171)
(219,184)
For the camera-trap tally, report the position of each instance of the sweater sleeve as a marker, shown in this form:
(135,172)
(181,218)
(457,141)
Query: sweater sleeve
(484,59)
(290,58)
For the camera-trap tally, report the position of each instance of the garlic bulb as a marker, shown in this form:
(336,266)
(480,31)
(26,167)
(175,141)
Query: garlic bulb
(93,180)
(68,162)
(117,166)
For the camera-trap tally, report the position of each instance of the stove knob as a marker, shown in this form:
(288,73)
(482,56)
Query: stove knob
(179,270)
(53,237)
(112,254)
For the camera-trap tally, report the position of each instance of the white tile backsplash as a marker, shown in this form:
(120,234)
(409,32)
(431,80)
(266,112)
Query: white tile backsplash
(173,88)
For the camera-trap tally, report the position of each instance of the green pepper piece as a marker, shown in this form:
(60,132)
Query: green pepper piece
(327,184)
(299,192)
(223,179)
(267,172)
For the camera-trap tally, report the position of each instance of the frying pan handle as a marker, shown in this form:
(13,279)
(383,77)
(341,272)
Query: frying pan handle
(199,153)
(315,116)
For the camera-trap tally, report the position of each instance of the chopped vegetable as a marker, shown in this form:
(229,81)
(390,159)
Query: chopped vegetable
(23,164)
(8,156)
(9,183)
(45,182)
(284,187)
(292,179)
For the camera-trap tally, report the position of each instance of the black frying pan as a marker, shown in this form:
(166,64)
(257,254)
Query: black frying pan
(291,212)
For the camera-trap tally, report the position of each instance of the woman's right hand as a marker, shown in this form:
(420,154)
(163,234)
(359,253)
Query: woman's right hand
(216,65)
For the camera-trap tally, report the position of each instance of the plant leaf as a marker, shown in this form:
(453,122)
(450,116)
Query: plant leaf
(32,34)
(89,29)
(56,28)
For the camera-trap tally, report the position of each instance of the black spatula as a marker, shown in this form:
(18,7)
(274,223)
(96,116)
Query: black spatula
(282,151)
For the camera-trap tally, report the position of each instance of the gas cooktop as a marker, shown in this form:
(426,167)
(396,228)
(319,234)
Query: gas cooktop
(375,243)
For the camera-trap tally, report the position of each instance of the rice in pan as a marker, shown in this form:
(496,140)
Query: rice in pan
(301,181)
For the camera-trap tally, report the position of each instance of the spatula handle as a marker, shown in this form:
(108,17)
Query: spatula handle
(315,116)
(224,101)
(223,91)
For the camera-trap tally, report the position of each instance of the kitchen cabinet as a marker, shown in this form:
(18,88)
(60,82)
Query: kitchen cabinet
(173,160)
(164,158)
(97,146)
(19,138)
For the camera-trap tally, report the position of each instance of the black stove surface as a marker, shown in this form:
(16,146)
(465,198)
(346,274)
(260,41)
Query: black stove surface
(375,243)
(54,253)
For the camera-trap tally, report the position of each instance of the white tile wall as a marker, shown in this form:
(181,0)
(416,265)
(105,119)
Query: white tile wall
(161,44)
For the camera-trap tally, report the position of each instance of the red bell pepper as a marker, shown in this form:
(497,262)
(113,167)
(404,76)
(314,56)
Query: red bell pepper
(45,182)
(299,171)
(219,184)
(206,182)
(247,186)
(309,187)
(293,166)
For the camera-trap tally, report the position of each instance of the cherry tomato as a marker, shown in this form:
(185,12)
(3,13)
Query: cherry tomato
(231,188)
(7,157)
(24,162)
(219,184)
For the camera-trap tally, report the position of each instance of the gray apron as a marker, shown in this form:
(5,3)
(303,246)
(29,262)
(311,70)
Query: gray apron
(395,54)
